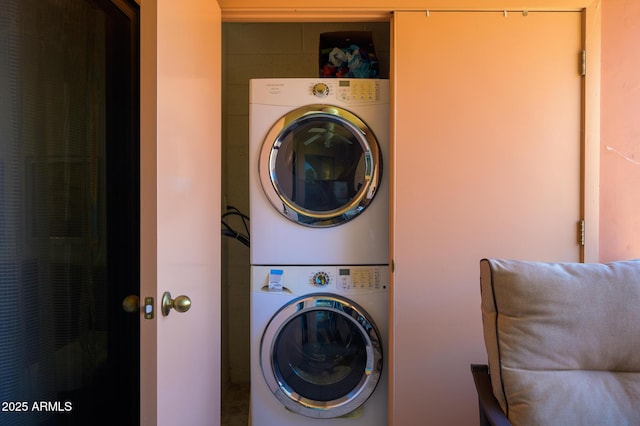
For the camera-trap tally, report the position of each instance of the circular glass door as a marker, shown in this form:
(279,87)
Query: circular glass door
(321,356)
(320,165)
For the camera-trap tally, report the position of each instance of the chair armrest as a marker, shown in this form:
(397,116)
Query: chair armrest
(490,412)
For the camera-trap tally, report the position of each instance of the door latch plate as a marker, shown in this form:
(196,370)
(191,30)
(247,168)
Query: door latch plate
(148,308)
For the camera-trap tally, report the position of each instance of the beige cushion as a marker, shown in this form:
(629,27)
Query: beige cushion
(563,341)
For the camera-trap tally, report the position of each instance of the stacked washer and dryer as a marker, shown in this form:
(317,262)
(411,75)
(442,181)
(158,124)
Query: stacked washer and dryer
(319,208)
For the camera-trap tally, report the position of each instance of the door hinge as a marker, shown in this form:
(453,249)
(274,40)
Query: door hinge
(581,232)
(583,63)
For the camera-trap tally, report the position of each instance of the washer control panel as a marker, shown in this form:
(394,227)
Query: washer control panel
(361,278)
(305,279)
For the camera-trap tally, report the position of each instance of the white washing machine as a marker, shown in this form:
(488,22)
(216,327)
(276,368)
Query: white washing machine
(318,345)
(319,186)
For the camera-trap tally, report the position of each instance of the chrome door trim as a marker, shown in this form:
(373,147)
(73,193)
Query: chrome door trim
(269,153)
(370,377)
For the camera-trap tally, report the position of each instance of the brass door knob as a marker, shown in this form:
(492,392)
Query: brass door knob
(180,303)
(131,303)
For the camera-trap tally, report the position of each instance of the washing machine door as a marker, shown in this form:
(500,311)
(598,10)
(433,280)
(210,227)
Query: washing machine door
(320,165)
(321,356)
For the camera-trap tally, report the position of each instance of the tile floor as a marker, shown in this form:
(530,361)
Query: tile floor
(235,405)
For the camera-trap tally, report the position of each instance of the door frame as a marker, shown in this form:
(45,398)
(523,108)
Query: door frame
(148,203)
(252,11)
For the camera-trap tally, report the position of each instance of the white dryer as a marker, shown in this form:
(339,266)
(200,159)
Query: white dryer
(319,186)
(318,345)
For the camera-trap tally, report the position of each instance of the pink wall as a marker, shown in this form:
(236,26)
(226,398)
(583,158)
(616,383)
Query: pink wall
(620,131)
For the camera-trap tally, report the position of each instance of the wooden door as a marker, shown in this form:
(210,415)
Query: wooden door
(180,210)
(487,148)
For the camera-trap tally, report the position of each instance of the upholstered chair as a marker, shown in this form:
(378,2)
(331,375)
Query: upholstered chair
(562,342)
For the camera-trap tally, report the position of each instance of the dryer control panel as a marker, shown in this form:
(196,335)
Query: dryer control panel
(358,90)
(350,278)
(348,90)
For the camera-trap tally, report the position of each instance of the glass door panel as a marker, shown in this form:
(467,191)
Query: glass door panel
(68,212)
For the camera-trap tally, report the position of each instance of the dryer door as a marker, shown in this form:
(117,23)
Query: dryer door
(321,356)
(320,165)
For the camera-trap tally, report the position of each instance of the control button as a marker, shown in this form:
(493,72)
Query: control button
(344,282)
(321,90)
(320,279)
